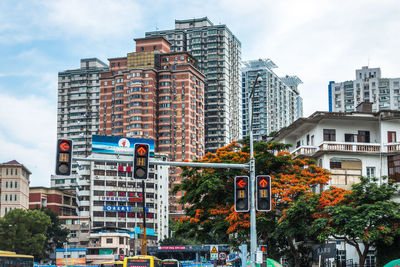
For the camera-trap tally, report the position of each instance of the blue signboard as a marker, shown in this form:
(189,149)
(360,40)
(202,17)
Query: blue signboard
(118,145)
(124,208)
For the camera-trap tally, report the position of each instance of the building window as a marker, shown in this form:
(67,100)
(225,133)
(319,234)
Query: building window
(370,172)
(391,137)
(121,240)
(5,198)
(349,138)
(16,184)
(109,240)
(363,137)
(15,197)
(394,167)
(329,135)
(6,184)
(335,165)
(72,233)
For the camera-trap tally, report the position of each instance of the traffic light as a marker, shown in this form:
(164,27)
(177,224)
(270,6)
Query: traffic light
(141,161)
(242,194)
(263,248)
(64,157)
(263,193)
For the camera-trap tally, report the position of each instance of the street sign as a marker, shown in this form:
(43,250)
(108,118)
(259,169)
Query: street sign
(213,252)
(242,194)
(259,258)
(141,161)
(64,157)
(222,256)
(263,193)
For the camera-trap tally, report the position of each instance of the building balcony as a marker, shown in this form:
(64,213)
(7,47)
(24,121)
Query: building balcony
(391,148)
(304,151)
(343,147)
(349,147)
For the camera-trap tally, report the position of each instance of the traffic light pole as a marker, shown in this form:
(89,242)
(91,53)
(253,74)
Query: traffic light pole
(144,241)
(253,230)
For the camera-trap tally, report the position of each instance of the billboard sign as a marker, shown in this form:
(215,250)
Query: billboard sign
(119,145)
(124,208)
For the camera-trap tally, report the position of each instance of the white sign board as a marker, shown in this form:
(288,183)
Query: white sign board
(213,252)
(259,258)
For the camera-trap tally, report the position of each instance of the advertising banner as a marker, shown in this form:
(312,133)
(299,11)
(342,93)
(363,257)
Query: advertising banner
(71,261)
(124,208)
(118,145)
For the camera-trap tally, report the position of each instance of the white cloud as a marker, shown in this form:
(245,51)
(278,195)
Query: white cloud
(28,134)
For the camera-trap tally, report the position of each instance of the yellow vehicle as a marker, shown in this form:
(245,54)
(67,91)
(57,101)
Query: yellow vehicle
(112,264)
(142,261)
(171,263)
(12,259)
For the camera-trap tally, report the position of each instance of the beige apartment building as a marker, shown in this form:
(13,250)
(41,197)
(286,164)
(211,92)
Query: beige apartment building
(14,186)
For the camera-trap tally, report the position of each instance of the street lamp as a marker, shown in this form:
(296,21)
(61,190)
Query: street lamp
(253,230)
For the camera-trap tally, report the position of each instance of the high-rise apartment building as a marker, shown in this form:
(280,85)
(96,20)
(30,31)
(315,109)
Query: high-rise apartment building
(368,86)
(276,101)
(158,94)
(218,53)
(78,105)
(14,187)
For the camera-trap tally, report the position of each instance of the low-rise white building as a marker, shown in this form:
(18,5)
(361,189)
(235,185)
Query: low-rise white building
(349,145)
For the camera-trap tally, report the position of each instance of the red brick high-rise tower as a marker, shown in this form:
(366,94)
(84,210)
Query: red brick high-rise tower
(154,93)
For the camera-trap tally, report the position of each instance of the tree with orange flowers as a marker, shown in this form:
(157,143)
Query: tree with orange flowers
(209,192)
(363,217)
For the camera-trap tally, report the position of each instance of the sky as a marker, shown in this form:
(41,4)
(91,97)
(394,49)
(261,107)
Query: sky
(317,40)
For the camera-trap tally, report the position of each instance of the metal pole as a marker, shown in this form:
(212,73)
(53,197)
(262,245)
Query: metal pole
(144,244)
(173,163)
(253,230)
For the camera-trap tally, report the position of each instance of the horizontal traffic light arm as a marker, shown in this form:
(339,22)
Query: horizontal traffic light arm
(174,163)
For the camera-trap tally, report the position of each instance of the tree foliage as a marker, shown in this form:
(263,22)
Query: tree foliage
(56,234)
(24,232)
(367,214)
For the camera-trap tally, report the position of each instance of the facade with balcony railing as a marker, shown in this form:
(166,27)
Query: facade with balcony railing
(349,145)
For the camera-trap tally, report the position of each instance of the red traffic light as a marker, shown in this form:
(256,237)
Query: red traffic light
(64,145)
(141,161)
(241,183)
(142,150)
(64,157)
(263,182)
(242,194)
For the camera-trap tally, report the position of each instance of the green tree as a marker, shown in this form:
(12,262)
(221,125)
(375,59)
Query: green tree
(56,234)
(24,232)
(294,228)
(366,216)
